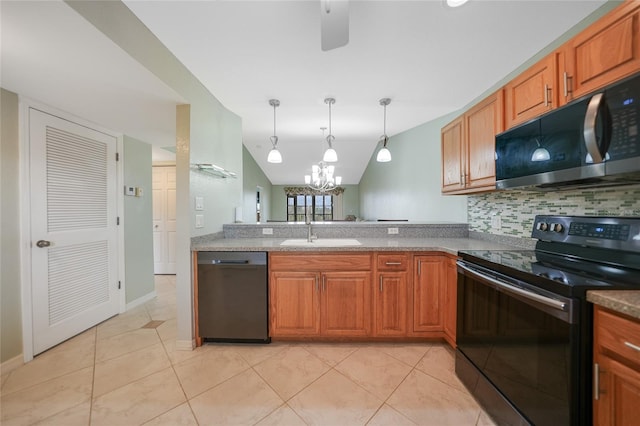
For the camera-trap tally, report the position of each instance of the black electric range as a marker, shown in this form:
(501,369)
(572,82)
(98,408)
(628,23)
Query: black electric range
(524,330)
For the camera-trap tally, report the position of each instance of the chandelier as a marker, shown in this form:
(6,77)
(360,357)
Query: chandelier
(322,175)
(321,178)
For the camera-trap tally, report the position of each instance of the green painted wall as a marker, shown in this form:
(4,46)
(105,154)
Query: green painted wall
(408,187)
(253,177)
(350,203)
(138,221)
(10,312)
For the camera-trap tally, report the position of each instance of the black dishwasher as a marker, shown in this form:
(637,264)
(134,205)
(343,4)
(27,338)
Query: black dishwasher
(233,297)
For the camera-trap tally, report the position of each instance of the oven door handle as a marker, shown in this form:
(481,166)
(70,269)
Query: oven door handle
(547,301)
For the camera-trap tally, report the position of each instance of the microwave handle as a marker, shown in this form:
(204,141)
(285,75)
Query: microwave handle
(590,139)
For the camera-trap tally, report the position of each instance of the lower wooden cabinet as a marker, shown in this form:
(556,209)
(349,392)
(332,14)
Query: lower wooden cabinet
(428,294)
(375,295)
(294,303)
(345,304)
(317,303)
(451,300)
(391,294)
(616,369)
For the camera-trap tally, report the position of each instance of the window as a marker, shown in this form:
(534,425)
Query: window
(321,205)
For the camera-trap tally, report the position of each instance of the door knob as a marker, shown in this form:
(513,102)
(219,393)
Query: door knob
(43,243)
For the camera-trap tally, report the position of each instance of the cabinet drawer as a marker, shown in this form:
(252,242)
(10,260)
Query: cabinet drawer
(320,262)
(392,262)
(617,334)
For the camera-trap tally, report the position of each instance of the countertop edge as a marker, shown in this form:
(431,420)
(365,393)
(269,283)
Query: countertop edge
(625,302)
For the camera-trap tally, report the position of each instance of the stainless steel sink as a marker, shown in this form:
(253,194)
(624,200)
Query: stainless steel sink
(322,242)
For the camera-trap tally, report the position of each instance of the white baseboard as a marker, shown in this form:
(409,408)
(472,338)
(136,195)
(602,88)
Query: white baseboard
(11,364)
(141,300)
(185,345)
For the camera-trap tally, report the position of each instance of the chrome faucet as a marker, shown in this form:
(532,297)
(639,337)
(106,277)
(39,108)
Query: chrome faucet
(310,236)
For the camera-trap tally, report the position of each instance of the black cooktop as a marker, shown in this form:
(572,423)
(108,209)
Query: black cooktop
(573,254)
(560,274)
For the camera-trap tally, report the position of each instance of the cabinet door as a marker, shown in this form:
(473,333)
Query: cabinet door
(482,123)
(451,298)
(294,303)
(452,157)
(346,304)
(606,51)
(390,295)
(530,94)
(618,392)
(427,293)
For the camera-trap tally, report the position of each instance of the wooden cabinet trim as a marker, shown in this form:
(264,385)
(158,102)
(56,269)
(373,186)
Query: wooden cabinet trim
(330,261)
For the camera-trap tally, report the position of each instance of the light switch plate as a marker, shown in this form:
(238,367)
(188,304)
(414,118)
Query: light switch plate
(199,221)
(130,191)
(139,191)
(392,231)
(267,231)
(199,203)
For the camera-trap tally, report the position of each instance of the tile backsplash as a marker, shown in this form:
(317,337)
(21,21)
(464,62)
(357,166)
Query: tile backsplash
(516,209)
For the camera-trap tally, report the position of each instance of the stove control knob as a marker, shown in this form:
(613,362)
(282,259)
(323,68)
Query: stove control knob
(557,227)
(542,226)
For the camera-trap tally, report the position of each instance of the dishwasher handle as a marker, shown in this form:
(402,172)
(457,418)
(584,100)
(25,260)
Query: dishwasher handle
(229,262)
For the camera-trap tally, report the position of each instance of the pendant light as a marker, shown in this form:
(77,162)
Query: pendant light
(330,155)
(274,155)
(384,155)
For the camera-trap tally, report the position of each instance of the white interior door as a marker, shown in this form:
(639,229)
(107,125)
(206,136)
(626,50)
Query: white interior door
(74,266)
(164,219)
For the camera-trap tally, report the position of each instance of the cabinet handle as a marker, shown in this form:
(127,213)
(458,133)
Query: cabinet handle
(323,284)
(596,381)
(380,283)
(461,180)
(632,346)
(547,101)
(419,268)
(566,89)
(393,263)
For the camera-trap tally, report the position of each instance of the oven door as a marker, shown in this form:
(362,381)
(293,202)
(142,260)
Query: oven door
(516,345)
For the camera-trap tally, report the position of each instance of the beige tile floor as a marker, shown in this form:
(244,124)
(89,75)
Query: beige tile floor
(126,371)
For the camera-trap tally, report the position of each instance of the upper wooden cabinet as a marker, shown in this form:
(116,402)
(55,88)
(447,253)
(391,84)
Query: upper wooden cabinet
(452,157)
(532,93)
(468,148)
(603,53)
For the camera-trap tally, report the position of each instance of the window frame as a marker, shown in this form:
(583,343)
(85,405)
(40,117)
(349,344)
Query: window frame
(322,216)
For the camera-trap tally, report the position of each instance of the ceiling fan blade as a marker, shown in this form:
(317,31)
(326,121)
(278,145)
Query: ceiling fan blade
(334,23)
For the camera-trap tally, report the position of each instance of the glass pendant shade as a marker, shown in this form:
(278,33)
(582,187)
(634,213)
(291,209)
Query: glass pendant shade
(274,156)
(330,156)
(384,155)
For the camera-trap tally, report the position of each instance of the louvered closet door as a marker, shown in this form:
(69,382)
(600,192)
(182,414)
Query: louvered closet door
(73,208)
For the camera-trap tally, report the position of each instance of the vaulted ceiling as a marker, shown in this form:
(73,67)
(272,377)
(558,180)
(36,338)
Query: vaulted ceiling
(429,59)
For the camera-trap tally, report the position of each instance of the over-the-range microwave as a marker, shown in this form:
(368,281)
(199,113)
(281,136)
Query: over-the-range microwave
(593,141)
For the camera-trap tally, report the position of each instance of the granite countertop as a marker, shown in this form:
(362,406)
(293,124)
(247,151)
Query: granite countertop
(447,245)
(623,301)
